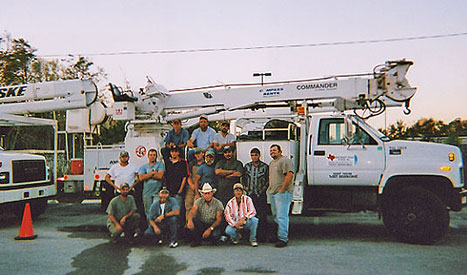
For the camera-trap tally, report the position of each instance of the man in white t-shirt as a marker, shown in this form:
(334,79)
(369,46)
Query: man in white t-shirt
(122,172)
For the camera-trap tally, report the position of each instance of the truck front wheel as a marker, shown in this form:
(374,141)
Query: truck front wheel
(416,215)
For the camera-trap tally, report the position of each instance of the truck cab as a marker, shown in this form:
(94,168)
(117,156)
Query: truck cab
(24,178)
(342,164)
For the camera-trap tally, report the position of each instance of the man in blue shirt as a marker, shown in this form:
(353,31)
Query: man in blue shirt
(203,136)
(206,172)
(151,175)
(163,217)
(177,137)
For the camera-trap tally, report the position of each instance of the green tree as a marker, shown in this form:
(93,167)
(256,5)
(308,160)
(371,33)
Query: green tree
(15,62)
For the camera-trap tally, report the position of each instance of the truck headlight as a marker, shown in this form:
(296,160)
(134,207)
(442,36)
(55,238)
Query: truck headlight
(4,177)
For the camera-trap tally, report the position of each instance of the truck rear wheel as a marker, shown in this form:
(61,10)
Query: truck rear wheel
(417,216)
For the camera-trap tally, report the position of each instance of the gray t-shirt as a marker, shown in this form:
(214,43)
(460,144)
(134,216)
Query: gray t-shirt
(207,211)
(277,170)
(118,208)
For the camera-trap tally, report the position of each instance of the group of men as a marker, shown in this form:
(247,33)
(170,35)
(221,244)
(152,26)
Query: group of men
(205,190)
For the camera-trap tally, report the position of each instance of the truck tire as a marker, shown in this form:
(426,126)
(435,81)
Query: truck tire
(416,215)
(37,207)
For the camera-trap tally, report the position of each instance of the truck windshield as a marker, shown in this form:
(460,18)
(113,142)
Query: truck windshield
(372,130)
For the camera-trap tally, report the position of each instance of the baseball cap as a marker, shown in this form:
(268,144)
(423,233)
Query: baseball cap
(227,149)
(124,154)
(238,185)
(210,153)
(198,150)
(164,190)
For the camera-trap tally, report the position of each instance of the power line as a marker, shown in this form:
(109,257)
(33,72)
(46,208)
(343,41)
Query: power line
(374,41)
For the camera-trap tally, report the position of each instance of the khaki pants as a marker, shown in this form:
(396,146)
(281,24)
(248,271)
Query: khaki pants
(189,199)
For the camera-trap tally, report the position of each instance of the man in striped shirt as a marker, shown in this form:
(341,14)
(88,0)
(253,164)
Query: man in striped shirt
(240,215)
(256,182)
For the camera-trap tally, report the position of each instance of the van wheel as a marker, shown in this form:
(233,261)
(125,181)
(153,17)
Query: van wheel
(416,216)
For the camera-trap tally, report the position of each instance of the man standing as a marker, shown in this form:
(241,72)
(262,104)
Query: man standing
(176,177)
(223,139)
(163,217)
(177,137)
(240,215)
(151,174)
(192,189)
(280,192)
(256,182)
(206,173)
(122,172)
(228,171)
(203,136)
(205,217)
(122,216)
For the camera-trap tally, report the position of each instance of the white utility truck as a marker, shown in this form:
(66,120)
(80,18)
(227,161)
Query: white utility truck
(342,163)
(26,177)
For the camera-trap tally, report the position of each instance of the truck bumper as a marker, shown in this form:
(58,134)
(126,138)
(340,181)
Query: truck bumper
(460,200)
(27,192)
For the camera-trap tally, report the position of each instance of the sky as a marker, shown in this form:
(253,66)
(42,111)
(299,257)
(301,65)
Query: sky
(88,27)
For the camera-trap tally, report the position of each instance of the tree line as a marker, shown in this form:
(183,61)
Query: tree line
(19,64)
(429,129)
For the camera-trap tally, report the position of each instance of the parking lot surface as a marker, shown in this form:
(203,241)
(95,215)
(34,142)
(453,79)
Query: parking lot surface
(72,239)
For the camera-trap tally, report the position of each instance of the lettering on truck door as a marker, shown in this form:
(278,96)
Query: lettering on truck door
(345,161)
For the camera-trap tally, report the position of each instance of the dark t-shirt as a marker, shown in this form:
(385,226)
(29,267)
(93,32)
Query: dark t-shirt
(174,174)
(225,185)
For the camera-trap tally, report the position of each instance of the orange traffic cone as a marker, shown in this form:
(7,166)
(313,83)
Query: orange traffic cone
(26,232)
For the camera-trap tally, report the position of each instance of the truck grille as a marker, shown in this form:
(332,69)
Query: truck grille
(28,171)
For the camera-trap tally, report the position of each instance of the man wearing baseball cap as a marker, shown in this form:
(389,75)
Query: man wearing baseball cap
(240,215)
(122,216)
(205,172)
(228,171)
(163,218)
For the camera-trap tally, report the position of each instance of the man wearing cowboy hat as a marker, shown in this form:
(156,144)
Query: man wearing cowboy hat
(240,214)
(205,217)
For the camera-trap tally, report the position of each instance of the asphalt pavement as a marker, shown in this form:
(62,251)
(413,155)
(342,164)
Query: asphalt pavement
(72,239)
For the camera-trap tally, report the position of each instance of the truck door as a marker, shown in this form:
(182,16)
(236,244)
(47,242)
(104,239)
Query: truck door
(345,155)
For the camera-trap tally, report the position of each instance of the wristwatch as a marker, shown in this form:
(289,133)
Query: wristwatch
(212,228)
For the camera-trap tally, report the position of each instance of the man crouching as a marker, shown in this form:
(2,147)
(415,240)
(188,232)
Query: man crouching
(240,215)
(122,217)
(205,217)
(163,217)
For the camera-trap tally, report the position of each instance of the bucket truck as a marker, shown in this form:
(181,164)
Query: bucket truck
(341,163)
(26,177)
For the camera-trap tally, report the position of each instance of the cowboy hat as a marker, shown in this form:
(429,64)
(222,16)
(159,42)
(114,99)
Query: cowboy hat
(207,188)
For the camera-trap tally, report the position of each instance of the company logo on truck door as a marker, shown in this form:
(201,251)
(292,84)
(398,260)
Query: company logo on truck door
(341,161)
(12,91)
(318,86)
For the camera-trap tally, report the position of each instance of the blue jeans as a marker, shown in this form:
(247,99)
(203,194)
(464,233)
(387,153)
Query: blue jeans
(280,206)
(250,225)
(147,202)
(168,224)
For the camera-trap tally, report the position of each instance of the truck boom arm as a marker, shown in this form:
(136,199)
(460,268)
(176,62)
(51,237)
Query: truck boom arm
(387,86)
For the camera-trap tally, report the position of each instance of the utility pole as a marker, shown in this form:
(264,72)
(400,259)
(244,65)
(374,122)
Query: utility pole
(262,75)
